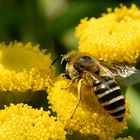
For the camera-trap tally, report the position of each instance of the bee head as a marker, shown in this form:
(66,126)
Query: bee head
(74,64)
(67,63)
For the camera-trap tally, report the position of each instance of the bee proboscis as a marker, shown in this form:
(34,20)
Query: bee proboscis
(106,80)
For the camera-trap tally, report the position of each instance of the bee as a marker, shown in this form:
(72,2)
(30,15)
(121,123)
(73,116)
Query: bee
(103,78)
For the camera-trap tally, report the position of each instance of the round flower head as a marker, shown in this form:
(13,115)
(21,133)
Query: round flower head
(89,118)
(23,68)
(114,37)
(20,122)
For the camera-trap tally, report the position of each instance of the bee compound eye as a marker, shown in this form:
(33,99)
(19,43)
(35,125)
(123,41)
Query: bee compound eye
(64,62)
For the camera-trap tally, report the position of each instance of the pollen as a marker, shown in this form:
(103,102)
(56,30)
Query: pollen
(23,68)
(90,117)
(20,122)
(113,37)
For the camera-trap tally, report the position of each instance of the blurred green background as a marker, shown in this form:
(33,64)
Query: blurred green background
(51,23)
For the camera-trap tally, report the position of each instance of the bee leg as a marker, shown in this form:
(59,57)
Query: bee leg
(70,83)
(66,76)
(80,83)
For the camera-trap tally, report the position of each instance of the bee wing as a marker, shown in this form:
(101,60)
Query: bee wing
(123,73)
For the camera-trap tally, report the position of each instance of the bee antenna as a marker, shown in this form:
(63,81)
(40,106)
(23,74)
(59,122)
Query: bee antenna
(60,56)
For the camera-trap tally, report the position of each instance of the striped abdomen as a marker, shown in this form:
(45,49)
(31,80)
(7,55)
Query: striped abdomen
(110,96)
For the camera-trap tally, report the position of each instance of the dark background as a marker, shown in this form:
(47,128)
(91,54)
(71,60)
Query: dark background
(51,23)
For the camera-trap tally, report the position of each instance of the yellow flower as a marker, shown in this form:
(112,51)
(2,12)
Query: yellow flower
(114,37)
(20,122)
(90,118)
(23,68)
(126,138)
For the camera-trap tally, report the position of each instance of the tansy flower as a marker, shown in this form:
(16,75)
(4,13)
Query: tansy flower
(20,122)
(23,68)
(114,37)
(90,118)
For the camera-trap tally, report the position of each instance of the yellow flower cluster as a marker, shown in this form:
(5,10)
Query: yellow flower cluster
(23,68)
(114,37)
(90,118)
(20,122)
